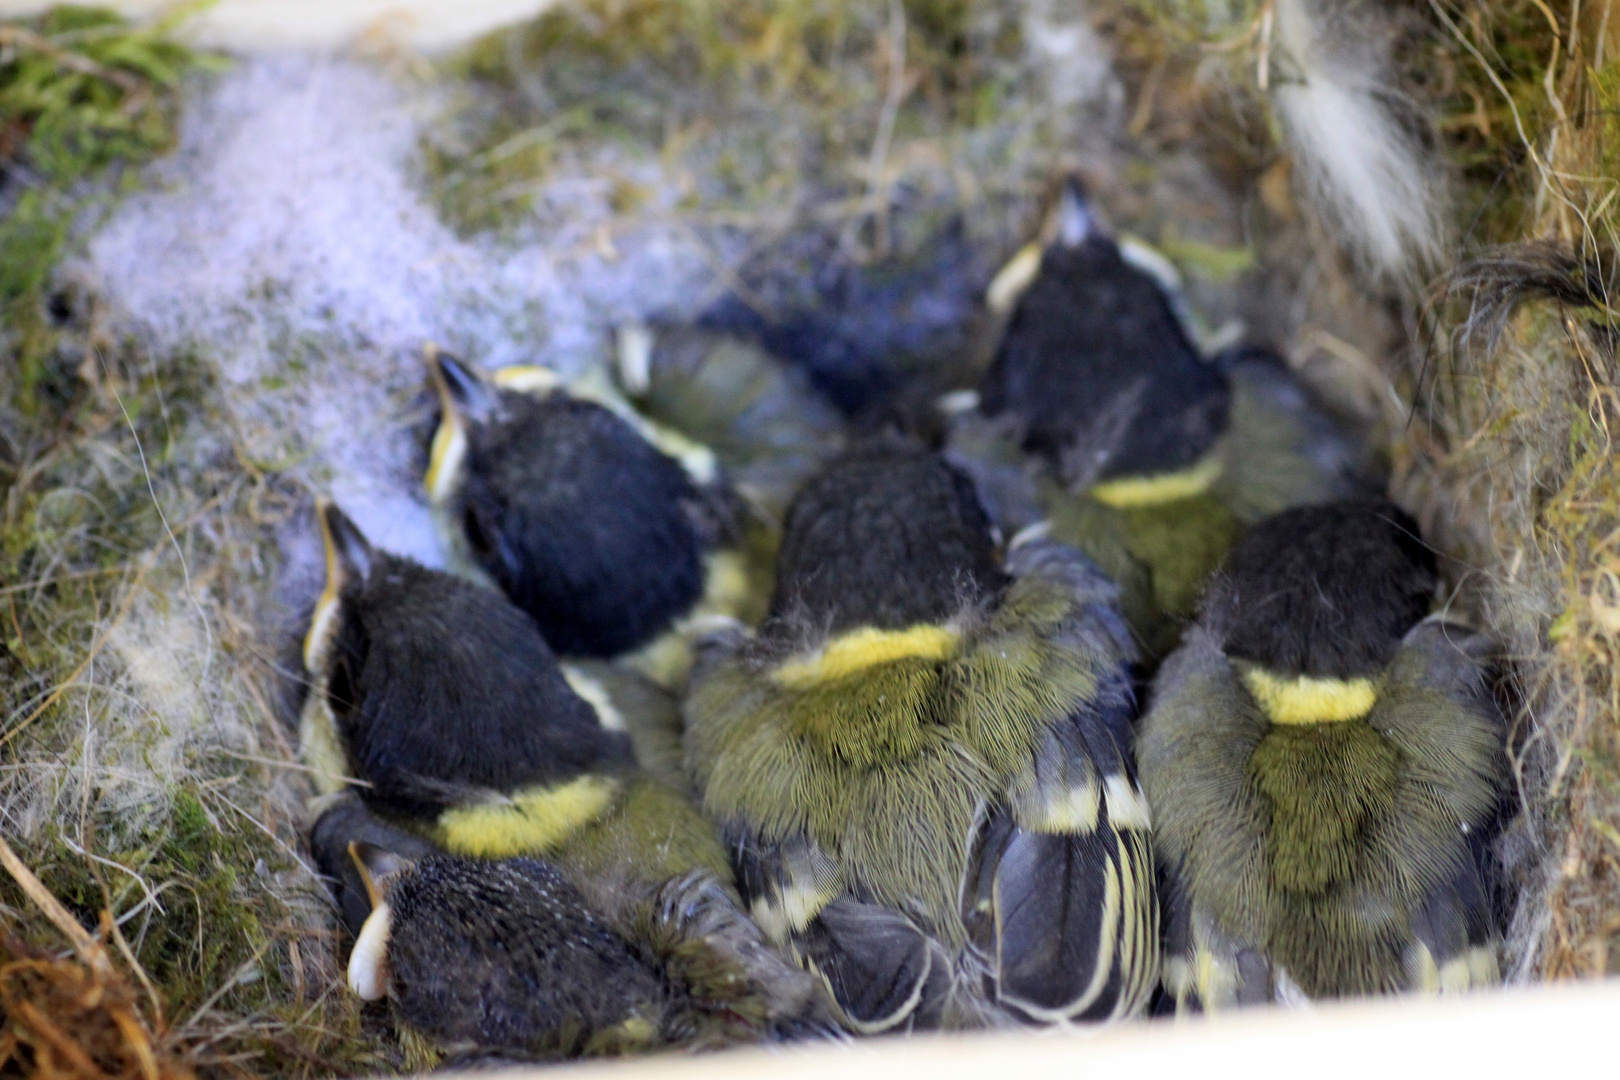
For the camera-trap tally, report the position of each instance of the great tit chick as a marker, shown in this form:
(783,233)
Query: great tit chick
(1327,766)
(1096,367)
(768,427)
(612,533)
(921,763)
(504,958)
(443,703)
(1099,414)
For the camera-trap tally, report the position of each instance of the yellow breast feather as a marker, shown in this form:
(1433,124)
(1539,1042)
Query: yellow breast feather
(865,648)
(533,821)
(1306,700)
(1132,491)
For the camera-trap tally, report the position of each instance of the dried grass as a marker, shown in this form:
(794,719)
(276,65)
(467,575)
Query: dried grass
(156,482)
(78,1019)
(1525,473)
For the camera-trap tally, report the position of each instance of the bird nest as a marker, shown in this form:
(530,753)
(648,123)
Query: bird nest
(218,278)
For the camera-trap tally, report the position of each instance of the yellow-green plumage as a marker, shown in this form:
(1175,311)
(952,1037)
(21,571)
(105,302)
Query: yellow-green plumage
(1325,783)
(885,770)
(1339,857)
(1276,452)
(1160,555)
(652,835)
(1280,449)
(921,762)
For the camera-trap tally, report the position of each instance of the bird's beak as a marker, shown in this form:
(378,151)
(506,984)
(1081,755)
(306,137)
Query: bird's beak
(368,963)
(348,552)
(463,398)
(378,866)
(348,558)
(461,390)
(1074,221)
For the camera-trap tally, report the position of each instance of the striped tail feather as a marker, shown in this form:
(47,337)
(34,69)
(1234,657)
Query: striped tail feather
(1067,875)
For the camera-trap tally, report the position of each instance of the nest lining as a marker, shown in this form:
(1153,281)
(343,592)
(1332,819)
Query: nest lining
(245,331)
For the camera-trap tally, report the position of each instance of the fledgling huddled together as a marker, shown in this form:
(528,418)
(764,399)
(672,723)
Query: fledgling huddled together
(734,721)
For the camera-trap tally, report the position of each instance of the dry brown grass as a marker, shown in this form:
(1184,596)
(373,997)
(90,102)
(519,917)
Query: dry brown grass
(1524,407)
(144,771)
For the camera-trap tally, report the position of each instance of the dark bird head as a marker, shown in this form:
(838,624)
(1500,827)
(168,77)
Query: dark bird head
(503,956)
(569,507)
(1094,366)
(1325,591)
(885,536)
(345,823)
(425,687)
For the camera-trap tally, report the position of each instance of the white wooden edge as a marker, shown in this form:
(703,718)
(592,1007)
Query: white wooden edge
(1523,1032)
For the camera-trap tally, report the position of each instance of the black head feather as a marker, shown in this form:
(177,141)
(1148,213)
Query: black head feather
(1099,373)
(884,536)
(507,956)
(586,526)
(438,686)
(1327,591)
(346,821)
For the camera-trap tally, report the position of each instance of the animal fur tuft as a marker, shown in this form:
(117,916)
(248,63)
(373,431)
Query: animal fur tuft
(1500,279)
(1358,158)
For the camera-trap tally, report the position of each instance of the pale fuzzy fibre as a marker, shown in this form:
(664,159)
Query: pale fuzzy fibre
(288,244)
(1072,57)
(1359,165)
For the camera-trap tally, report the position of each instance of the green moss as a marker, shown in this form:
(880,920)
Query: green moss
(147,796)
(743,102)
(83,95)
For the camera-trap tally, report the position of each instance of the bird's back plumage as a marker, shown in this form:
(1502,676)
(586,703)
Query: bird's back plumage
(1336,852)
(1098,372)
(920,763)
(769,428)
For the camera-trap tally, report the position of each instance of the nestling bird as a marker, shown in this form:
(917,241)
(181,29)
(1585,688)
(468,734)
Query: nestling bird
(442,701)
(767,425)
(502,960)
(1327,766)
(922,765)
(1099,415)
(614,534)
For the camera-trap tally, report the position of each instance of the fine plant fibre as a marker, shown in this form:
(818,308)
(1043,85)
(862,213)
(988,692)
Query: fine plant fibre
(246,329)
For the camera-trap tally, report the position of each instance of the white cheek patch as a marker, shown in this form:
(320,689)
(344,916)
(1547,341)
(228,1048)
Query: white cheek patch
(368,963)
(596,696)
